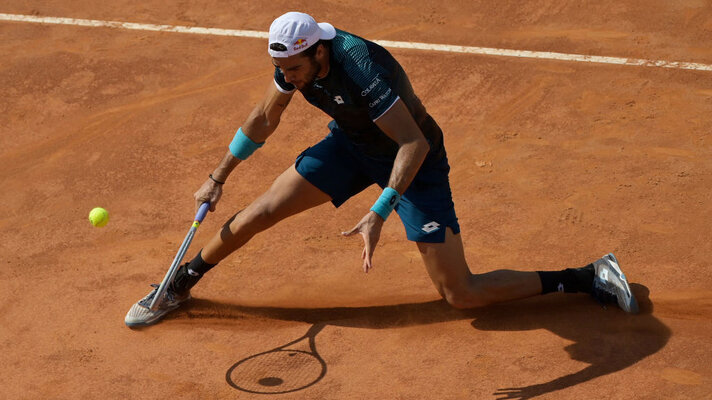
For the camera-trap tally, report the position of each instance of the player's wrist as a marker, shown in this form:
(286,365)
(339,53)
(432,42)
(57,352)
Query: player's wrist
(219,181)
(376,219)
(385,204)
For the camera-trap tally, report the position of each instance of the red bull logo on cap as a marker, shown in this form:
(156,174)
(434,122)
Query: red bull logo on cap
(300,44)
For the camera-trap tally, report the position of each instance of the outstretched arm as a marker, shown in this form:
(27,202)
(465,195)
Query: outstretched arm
(260,124)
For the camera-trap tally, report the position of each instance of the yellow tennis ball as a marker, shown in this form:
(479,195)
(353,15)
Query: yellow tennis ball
(99,217)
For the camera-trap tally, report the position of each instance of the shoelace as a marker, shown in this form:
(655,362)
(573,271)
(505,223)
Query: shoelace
(602,293)
(146,302)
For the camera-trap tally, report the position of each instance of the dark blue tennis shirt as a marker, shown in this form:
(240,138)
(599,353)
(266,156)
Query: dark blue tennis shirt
(363,83)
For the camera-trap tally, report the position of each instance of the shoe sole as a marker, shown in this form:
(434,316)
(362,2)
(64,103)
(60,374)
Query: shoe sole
(631,306)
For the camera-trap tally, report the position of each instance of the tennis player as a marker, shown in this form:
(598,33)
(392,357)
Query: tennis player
(380,134)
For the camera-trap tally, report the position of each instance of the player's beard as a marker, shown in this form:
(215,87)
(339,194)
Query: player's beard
(317,69)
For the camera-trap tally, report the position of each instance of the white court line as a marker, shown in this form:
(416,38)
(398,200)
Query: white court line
(386,43)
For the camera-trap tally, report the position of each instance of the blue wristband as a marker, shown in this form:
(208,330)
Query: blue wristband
(242,146)
(386,202)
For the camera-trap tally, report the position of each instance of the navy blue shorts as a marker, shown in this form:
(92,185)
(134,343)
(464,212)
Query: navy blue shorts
(339,169)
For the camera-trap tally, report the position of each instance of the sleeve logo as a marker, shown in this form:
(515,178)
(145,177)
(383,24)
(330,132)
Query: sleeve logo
(381,97)
(371,86)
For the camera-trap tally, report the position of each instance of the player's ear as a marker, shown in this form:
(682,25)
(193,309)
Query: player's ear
(320,52)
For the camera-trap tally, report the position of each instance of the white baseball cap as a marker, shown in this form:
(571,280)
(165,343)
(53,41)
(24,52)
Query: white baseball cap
(294,32)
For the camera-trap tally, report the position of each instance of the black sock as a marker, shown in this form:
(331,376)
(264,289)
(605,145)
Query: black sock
(198,265)
(189,274)
(570,280)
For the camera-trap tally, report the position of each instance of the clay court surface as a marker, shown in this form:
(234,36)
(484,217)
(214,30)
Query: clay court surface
(554,163)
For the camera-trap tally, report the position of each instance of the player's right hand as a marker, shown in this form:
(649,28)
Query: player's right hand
(209,191)
(370,228)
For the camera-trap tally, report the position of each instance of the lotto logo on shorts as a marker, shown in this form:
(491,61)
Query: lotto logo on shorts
(430,227)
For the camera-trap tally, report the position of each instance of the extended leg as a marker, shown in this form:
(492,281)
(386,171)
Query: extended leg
(290,194)
(446,265)
(449,272)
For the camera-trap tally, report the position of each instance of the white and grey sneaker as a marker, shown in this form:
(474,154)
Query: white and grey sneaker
(141,315)
(611,286)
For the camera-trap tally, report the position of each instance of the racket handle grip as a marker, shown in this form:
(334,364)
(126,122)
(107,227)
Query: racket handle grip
(202,211)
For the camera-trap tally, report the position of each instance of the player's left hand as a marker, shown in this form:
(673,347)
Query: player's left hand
(370,228)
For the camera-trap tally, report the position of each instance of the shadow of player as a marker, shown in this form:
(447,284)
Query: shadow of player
(607,341)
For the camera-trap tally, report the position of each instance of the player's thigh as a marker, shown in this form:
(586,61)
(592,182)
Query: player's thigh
(446,264)
(290,194)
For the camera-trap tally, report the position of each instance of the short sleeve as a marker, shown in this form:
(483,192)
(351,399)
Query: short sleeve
(374,80)
(282,84)
(380,96)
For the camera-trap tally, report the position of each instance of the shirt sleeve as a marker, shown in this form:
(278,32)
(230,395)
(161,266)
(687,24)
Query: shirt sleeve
(374,79)
(282,84)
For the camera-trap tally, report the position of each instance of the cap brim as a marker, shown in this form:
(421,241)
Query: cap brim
(326,30)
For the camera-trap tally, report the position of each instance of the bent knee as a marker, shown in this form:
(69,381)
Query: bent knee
(463,299)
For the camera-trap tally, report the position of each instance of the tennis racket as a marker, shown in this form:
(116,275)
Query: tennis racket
(199,216)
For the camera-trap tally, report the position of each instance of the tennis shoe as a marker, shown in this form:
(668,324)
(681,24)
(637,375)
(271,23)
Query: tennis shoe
(140,313)
(611,286)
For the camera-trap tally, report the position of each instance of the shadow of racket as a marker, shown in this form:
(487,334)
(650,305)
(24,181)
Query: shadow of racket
(285,369)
